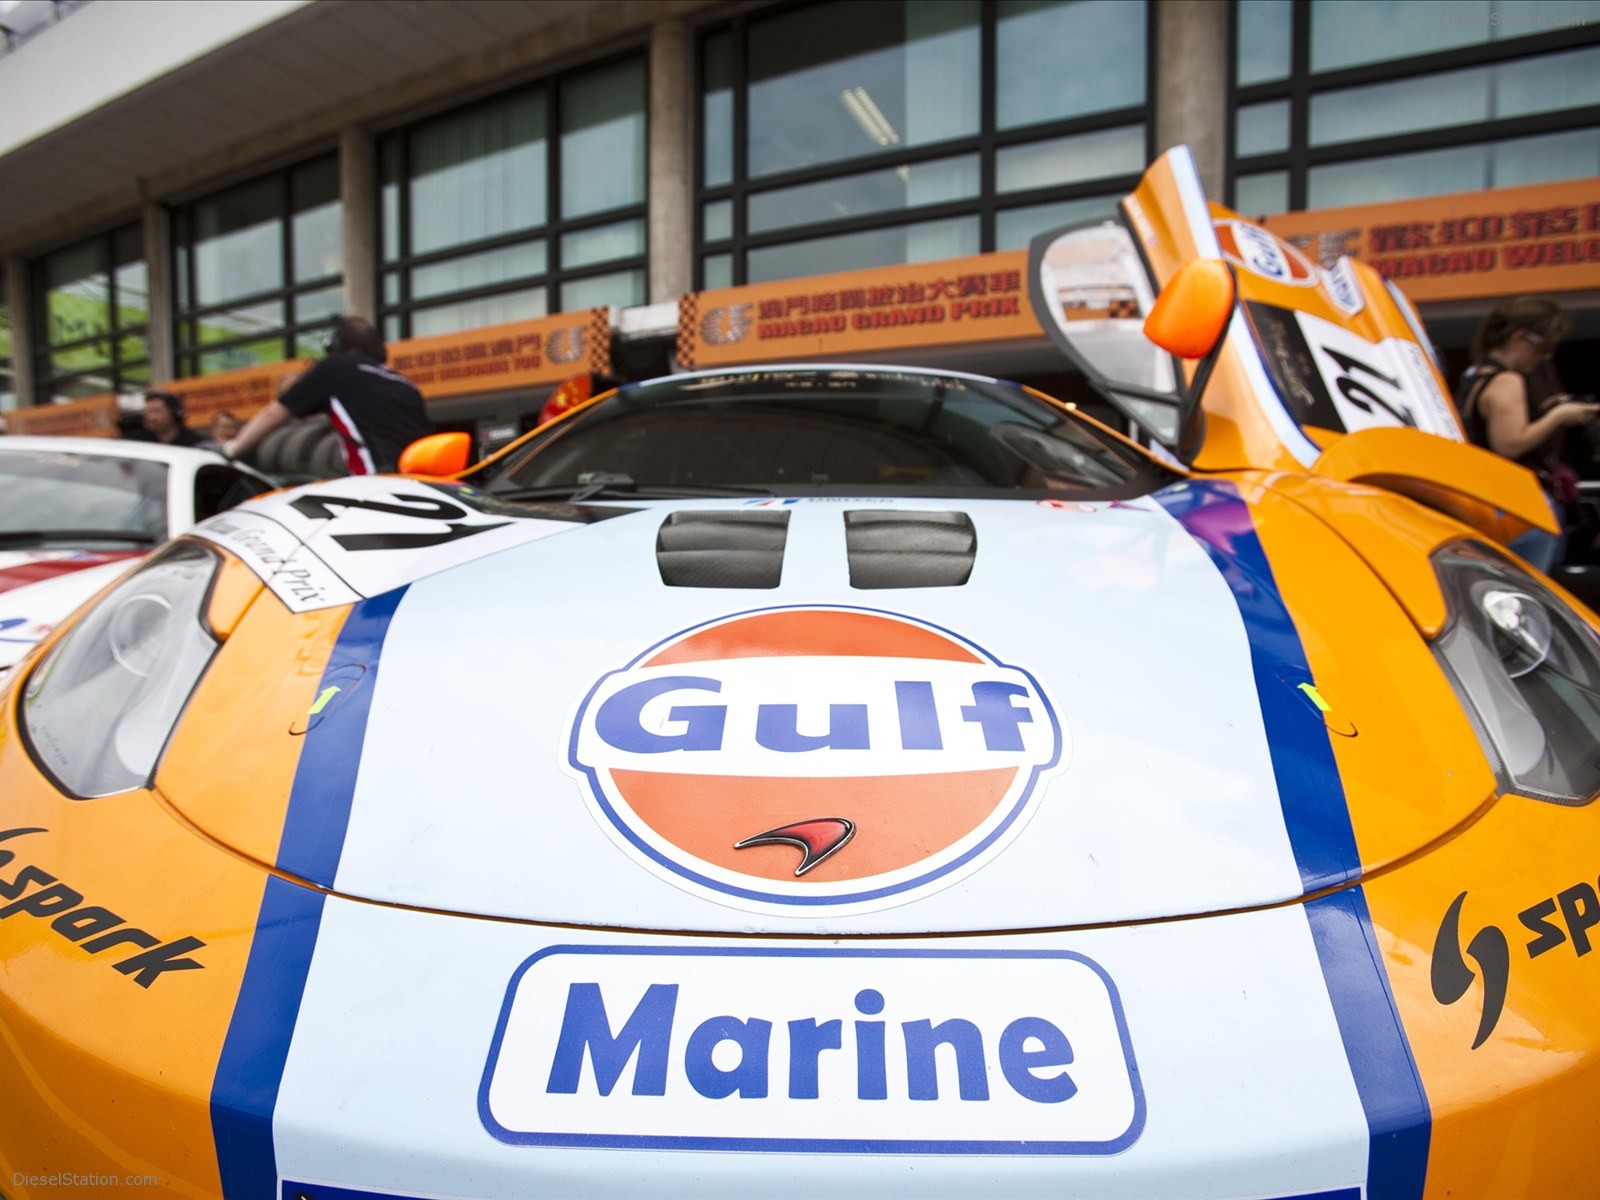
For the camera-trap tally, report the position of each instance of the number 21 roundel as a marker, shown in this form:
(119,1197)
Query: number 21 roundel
(815,758)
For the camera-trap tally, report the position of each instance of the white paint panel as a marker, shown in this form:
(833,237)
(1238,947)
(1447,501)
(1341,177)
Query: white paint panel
(1238,1055)
(1168,804)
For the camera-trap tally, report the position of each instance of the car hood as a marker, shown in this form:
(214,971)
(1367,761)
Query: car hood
(1039,714)
(40,587)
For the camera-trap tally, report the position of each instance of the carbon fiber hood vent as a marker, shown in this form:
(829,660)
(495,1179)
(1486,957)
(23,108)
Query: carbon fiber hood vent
(900,549)
(722,549)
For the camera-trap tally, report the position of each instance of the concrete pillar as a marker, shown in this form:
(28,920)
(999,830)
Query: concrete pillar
(358,195)
(670,160)
(157,227)
(17,309)
(1191,95)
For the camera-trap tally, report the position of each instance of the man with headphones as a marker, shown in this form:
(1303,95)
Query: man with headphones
(376,412)
(164,417)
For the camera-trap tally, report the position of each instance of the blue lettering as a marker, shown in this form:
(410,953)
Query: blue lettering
(872,1075)
(922,1071)
(807,1041)
(749,1078)
(919,721)
(586,1027)
(1019,1063)
(776,728)
(991,708)
(618,719)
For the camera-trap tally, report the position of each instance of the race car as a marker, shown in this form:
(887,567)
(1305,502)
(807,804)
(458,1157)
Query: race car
(77,512)
(827,780)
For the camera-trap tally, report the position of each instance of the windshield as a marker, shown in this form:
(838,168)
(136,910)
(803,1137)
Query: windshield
(50,496)
(828,430)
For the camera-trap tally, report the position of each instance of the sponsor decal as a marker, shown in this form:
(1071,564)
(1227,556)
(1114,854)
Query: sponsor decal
(1562,919)
(883,756)
(1259,252)
(343,540)
(1340,286)
(832,1050)
(34,892)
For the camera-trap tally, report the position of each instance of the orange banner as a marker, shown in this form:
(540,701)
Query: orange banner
(501,357)
(979,299)
(1506,242)
(243,392)
(92,416)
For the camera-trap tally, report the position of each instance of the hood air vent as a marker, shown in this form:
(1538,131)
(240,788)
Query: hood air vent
(722,549)
(898,549)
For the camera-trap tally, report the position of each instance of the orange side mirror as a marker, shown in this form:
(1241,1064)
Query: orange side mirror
(1192,312)
(437,455)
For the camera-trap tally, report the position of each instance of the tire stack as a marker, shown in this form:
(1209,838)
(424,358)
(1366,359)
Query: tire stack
(302,452)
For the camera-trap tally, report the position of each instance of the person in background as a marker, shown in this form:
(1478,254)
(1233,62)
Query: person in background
(224,428)
(164,417)
(1499,413)
(376,412)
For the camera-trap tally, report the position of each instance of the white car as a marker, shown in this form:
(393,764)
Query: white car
(76,512)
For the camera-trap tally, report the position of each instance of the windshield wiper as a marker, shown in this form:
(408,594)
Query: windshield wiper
(609,485)
(25,537)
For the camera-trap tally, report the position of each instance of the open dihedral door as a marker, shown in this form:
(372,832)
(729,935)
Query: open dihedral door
(1311,355)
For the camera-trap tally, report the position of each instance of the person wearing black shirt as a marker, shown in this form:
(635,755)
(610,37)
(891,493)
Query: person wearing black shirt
(163,419)
(376,412)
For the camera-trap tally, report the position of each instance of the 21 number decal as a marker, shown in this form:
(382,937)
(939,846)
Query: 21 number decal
(414,507)
(1361,394)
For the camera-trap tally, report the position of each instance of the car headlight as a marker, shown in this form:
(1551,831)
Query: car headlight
(1527,668)
(99,707)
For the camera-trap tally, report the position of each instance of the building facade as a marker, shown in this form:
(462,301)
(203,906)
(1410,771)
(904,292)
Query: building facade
(192,191)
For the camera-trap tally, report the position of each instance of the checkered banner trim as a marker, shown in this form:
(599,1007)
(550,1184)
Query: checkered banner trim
(688,318)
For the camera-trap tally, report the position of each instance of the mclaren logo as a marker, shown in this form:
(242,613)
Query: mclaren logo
(1452,976)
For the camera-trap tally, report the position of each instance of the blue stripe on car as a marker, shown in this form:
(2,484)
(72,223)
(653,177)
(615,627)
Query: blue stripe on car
(1309,788)
(325,780)
(250,1069)
(1399,1123)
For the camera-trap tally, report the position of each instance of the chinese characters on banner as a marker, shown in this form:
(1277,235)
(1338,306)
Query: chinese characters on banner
(243,392)
(502,357)
(1508,242)
(980,299)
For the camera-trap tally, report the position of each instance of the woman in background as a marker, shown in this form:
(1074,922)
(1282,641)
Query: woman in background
(1515,339)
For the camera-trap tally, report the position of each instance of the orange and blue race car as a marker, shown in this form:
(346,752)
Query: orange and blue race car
(833,780)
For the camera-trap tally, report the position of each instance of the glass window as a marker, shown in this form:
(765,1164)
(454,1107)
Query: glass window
(925,242)
(479,174)
(887,190)
(603,139)
(840,80)
(1543,84)
(1262,128)
(622,288)
(1015,227)
(1263,42)
(716,110)
(93,307)
(1351,33)
(1040,79)
(1545,159)
(475,314)
(1084,156)
(259,268)
(859,115)
(476,230)
(1263,193)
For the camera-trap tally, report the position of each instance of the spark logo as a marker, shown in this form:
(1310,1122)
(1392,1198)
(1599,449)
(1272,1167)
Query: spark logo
(1452,977)
(797,758)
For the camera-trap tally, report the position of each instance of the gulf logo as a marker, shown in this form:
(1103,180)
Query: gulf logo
(795,760)
(1261,253)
